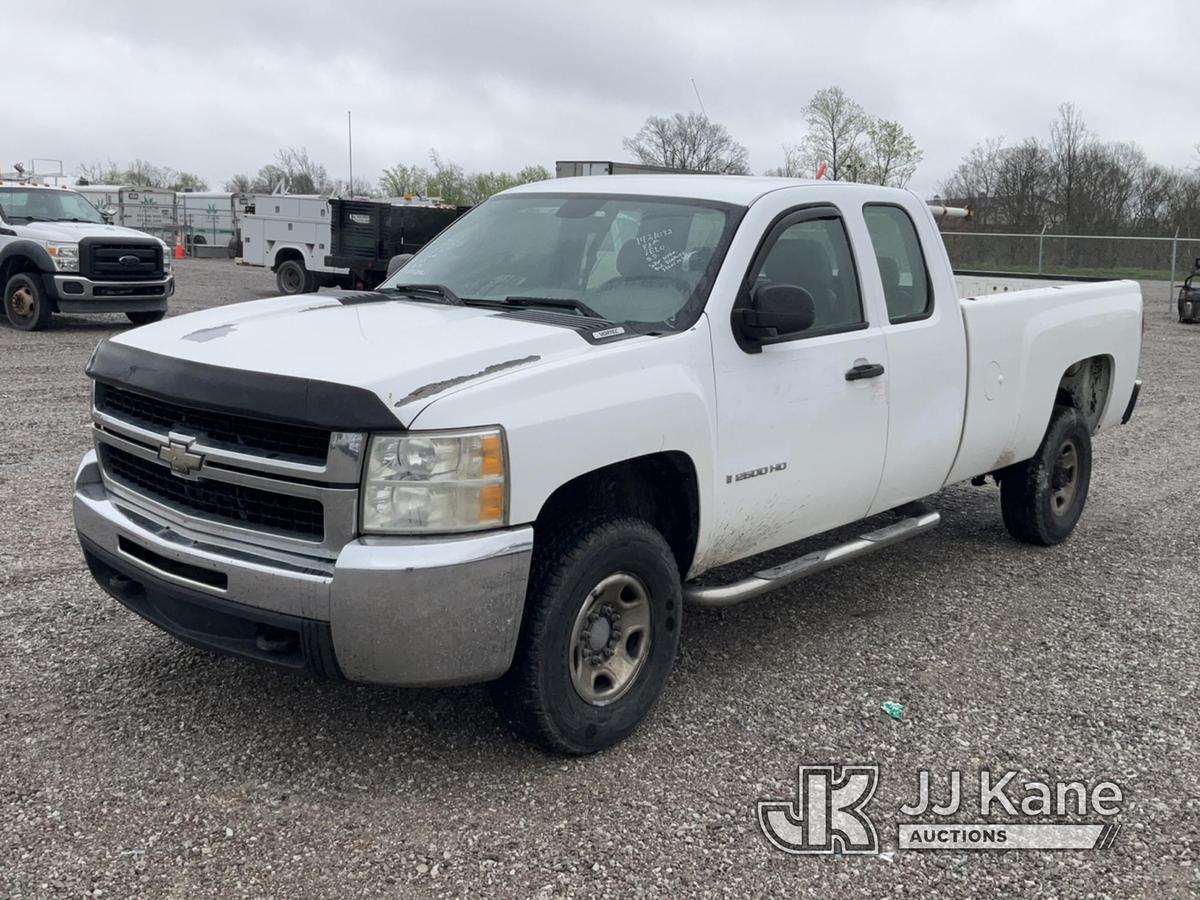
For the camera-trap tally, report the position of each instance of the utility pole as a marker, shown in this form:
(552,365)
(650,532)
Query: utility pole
(350,149)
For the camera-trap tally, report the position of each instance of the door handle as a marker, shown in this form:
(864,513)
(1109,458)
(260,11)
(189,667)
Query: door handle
(866,370)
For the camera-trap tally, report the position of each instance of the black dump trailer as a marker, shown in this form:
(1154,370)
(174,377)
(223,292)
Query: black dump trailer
(366,234)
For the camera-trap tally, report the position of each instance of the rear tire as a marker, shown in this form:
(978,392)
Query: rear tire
(291,277)
(1042,498)
(146,317)
(25,303)
(601,628)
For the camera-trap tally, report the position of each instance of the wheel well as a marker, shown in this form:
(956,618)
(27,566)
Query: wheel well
(288,253)
(661,489)
(14,264)
(1086,386)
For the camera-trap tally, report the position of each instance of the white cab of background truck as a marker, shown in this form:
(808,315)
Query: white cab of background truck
(517,459)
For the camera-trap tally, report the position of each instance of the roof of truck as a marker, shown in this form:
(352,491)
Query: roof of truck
(31,186)
(740,189)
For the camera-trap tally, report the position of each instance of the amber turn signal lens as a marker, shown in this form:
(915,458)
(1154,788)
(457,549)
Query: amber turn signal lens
(493,455)
(491,503)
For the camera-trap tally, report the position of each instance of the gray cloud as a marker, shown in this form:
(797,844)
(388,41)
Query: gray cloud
(217,87)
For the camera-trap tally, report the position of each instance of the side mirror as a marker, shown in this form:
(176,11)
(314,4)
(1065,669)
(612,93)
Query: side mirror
(109,213)
(775,311)
(396,263)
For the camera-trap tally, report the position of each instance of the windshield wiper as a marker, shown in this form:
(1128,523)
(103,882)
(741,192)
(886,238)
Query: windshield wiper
(554,303)
(435,290)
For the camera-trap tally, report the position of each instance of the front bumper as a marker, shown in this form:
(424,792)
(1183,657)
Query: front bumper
(78,294)
(412,611)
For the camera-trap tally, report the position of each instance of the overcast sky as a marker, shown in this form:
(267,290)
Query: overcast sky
(216,88)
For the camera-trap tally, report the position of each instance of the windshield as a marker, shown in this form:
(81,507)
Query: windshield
(634,260)
(44,205)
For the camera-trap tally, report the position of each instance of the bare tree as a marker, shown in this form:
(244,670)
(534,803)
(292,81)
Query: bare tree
(187,181)
(793,164)
(1023,184)
(240,184)
(302,174)
(269,179)
(142,173)
(100,173)
(402,179)
(890,154)
(836,125)
(688,141)
(1069,140)
(974,182)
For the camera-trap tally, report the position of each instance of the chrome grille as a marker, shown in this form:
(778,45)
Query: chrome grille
(288,487)
(217,501)
(251,435)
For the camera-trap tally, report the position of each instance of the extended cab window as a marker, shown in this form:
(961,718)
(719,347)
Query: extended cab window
(814,254)
(901,263)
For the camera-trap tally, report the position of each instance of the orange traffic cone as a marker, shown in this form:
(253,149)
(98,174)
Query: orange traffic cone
(178,248)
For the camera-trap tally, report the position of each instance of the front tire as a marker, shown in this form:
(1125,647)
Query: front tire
(1042,498)
(25,303)
(146,317)
(601,629)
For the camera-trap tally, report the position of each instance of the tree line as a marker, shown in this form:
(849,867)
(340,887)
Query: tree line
(851,144)
(843,142)
(1073,183)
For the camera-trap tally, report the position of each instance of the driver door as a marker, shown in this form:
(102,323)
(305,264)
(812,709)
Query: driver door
(802,419)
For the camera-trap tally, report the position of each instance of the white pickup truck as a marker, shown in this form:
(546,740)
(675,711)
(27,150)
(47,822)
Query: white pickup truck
(57,255)
(513,461)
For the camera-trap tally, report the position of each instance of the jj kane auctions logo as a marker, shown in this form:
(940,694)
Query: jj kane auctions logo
(829,814)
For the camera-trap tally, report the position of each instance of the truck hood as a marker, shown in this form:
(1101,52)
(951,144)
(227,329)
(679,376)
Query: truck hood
(408,353)
(74,231)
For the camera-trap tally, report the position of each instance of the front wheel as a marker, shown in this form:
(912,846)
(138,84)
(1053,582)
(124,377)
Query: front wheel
(1042,498)
(25,303)
(599,638)
(145,317)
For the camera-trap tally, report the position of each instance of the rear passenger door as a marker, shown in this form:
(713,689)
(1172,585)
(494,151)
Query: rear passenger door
(800,444)
(926,347)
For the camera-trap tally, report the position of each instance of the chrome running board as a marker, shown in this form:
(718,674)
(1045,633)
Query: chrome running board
(721,595)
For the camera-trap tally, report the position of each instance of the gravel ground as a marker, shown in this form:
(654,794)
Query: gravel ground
(134,765)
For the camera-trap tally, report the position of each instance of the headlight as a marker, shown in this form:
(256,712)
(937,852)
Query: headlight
(435,482)
(65,256)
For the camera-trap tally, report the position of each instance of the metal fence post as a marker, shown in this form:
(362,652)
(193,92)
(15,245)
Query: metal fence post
(1174,248)
(1041,243)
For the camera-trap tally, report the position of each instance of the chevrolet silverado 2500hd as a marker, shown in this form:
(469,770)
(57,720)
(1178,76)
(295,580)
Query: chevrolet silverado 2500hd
(513,460)
(58,255)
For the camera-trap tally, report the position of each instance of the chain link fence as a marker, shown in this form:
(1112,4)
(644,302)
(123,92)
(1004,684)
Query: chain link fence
(1146,258)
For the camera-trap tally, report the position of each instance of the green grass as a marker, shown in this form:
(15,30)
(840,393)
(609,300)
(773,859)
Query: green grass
(1088,272)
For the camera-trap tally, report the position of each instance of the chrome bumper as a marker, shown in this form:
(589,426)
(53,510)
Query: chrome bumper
(76,293)
(411,611)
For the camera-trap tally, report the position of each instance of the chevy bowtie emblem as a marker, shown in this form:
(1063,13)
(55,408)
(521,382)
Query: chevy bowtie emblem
(178,454)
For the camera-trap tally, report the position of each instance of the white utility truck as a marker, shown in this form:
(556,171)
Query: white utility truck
(290,235)
(58,255)
(514,460)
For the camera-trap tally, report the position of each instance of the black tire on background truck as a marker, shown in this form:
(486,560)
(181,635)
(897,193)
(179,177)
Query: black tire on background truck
(25,302)
(291,277)
(598,639)
(1042,498)
(145,317)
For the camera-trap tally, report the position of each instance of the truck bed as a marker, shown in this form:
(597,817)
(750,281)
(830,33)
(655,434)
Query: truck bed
(1021,341)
